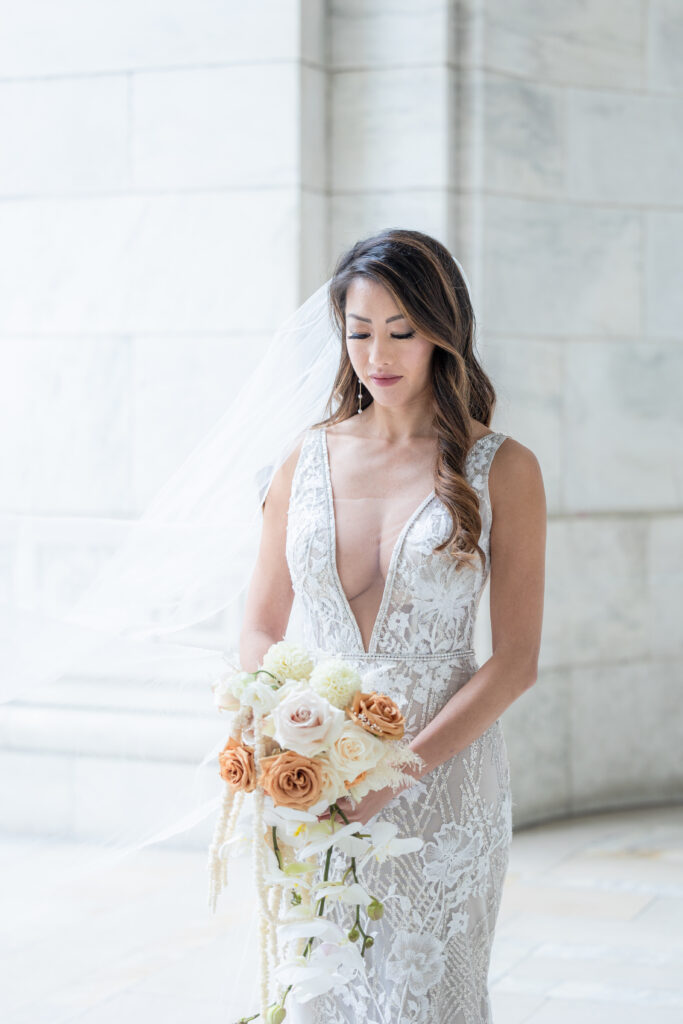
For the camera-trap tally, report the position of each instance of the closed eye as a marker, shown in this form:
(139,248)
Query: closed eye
(399,336)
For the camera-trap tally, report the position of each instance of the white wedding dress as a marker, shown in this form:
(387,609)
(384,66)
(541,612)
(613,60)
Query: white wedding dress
(430,959)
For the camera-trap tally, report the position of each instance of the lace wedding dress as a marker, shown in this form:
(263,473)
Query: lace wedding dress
(430,959)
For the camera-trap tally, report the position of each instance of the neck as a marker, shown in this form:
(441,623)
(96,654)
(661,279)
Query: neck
(400,423)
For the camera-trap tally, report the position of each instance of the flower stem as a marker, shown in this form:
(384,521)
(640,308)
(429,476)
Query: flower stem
(360,929)
(321,901)
(338,808)
(276,848)
(266,672)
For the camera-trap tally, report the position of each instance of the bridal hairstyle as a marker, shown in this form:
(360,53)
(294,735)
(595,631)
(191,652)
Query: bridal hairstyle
(430,291)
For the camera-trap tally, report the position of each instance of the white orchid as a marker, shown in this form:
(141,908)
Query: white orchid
(293,875)
(314,926)
(288,821)
(294,827)
(331,965)
(323,838)
(236,847)
(384,842)
(294,913)
(284,817)
(354,893)
(354,846)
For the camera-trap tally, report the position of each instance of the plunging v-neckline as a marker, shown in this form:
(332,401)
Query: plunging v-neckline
(388,583)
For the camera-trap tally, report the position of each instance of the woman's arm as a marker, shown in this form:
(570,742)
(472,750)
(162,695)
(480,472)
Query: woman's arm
(517,583)
(270,595)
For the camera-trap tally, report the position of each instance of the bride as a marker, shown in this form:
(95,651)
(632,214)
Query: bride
(369,533)
(385,522)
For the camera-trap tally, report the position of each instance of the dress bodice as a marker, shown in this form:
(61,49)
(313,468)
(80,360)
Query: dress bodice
(429,604)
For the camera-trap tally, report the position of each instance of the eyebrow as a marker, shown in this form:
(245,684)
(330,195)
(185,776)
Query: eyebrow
(367,320)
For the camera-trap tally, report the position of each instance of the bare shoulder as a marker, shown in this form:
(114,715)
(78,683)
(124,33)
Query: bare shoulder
(349,427)
(281,485)
(512,453)
(515,477)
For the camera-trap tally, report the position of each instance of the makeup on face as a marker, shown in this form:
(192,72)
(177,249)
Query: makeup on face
(384,382)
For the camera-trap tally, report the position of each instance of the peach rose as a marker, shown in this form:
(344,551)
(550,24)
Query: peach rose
(291,779)
(378,714)
(237,765)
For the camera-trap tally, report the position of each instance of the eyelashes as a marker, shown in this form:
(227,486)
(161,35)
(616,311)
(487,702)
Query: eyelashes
(360,337)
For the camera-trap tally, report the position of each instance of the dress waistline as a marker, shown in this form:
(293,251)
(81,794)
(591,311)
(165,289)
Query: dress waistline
(460,652)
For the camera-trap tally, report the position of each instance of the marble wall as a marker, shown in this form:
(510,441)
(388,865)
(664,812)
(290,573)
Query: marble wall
(156,176)
(171,187)
(543,143)
(581,176)
(162,208)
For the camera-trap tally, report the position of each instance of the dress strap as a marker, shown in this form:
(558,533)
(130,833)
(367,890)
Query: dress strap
(495,440)
(480,466)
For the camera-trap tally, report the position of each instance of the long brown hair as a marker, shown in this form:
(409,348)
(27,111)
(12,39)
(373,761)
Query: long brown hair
(431,293)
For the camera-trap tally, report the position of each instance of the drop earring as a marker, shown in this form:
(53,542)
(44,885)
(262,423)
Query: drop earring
(360,395)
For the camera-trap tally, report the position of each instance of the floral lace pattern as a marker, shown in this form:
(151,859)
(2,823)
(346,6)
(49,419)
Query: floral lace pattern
(430,959)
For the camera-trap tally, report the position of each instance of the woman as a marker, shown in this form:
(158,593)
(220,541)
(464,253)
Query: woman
(386,521)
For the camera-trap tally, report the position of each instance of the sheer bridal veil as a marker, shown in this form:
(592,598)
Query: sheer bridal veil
(120,678)
(111,735)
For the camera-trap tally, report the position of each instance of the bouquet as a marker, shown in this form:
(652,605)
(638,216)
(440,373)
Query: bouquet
(303,735)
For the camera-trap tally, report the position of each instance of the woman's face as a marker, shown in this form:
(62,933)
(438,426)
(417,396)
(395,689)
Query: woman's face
(381,343)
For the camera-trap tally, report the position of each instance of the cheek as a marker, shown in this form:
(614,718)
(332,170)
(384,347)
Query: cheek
(419,357)
(355,353)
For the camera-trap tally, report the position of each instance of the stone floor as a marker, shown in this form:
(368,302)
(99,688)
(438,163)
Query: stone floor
(590,930)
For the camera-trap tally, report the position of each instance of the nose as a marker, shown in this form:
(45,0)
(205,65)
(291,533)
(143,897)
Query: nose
(379,353)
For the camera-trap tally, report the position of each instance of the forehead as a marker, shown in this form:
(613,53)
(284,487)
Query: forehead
(364,295)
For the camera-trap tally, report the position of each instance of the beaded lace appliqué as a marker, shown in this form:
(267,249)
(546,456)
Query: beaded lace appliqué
(430,960)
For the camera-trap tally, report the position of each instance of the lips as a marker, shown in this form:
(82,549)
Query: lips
(385,382)
(377,376)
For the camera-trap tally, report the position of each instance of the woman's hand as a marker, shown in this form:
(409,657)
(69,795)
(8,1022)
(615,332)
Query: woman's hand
(366,808)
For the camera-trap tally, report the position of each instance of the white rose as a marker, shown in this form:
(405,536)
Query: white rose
(223,697)
(228,689)
(355,751)
(306,722)
(290,686)
(259,696)
(332,783)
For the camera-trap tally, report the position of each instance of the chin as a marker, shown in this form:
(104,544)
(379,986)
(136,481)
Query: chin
(389,400)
